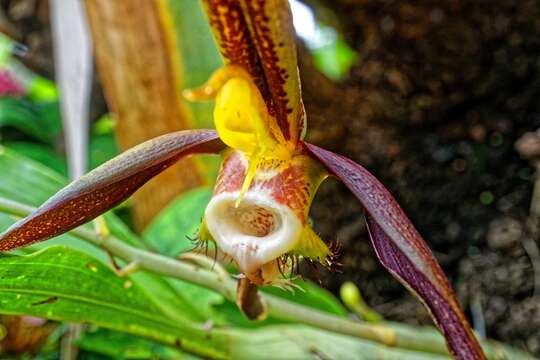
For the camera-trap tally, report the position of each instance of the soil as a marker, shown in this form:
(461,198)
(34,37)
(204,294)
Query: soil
(433,108)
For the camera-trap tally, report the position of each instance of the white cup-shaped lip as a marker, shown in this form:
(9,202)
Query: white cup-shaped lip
(258,231)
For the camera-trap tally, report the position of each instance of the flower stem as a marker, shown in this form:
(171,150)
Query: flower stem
(391,334)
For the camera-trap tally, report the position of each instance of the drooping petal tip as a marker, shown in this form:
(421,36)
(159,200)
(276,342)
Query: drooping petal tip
(401,249)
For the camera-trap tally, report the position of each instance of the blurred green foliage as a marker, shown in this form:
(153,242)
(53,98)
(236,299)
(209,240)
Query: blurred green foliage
(331,54)
(197,52)
(40,121)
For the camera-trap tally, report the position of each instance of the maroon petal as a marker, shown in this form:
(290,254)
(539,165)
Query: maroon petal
(404,253)
(107,186)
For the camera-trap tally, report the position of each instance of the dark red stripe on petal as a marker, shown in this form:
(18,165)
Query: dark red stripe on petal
(403,251)
(259,36)
(271,27)
(107,186)
(234,39)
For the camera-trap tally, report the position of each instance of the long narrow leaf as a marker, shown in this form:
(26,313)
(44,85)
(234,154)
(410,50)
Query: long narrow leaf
(107,186)
(63,284)
(404,253)
(73,60)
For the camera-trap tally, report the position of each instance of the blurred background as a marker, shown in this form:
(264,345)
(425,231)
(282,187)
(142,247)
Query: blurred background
(440,100)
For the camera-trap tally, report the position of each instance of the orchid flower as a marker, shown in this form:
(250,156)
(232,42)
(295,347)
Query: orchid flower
(258,215)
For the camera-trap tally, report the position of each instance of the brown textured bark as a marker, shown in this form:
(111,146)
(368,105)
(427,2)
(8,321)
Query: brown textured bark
(140,81)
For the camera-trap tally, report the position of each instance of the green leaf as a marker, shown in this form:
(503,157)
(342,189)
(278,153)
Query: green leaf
(169,234)
(198,53)
(41,154)
(101,149)
(25,180)
(334,59)
(62,284)
(202,300)
(39,120)
(166,293)
(66,285)
(302,342)
(119,345)
(312,296)
(31,183)
(170,231)
(102,144)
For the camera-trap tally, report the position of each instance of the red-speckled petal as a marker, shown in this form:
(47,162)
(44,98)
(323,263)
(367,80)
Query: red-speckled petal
(292,183)
(401,249)
(259,36)
(107,186)
(234,39)
(271,26)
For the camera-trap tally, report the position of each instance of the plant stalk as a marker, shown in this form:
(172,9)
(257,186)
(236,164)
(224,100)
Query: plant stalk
(390,334)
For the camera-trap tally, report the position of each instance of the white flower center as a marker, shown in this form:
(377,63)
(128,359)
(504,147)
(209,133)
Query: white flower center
(256,232)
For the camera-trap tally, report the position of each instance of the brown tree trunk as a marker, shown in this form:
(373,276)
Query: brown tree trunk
(135,60)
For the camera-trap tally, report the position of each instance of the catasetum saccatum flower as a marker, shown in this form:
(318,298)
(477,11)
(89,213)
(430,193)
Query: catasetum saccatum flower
(259,212)
(269,175)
